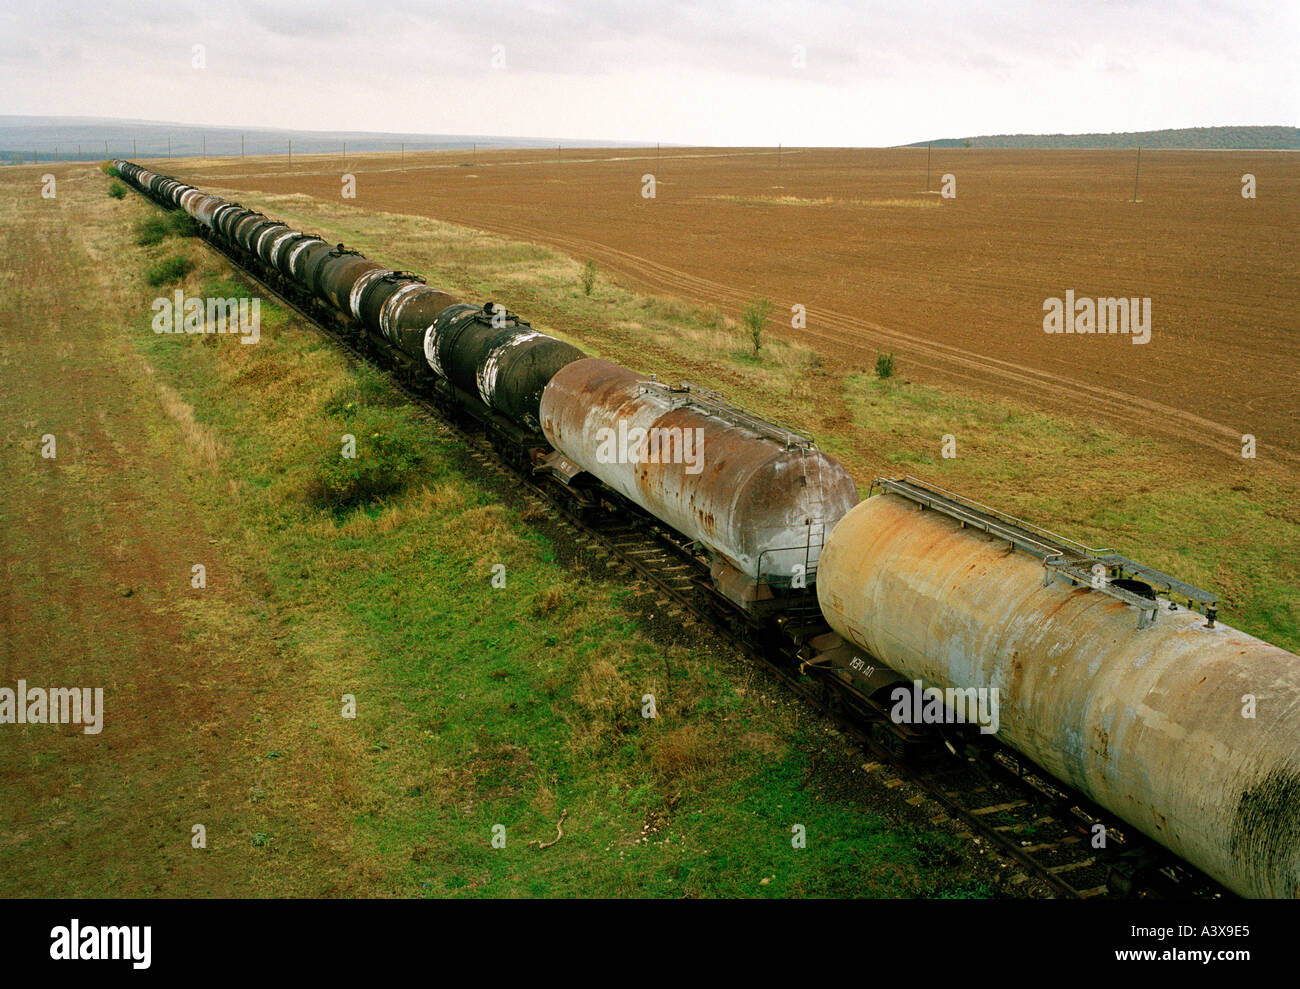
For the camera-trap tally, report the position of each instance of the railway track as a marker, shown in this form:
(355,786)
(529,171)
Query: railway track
(1044,832)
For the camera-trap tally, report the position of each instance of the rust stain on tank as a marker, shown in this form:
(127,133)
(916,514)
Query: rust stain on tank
(715,477)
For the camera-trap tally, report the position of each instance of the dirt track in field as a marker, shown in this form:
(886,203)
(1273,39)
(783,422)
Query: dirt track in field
(954,287)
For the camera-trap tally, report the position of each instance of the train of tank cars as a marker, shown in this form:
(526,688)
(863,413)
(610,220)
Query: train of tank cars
(1114,678)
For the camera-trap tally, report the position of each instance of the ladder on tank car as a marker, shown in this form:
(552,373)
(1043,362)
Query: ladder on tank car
(1101,569)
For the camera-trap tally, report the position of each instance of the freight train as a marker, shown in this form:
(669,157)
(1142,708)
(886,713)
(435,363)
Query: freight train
(1115,678)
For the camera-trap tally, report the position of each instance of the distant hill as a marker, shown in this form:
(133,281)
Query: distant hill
(1191,138)
(86,139)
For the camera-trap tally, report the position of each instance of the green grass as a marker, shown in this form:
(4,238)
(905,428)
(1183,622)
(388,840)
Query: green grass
(151,230)
(170,269)
(182,224)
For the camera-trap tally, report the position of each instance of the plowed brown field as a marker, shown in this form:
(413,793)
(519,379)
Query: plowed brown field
(954,287)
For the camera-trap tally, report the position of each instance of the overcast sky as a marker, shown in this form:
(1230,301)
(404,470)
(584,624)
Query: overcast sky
(866,73)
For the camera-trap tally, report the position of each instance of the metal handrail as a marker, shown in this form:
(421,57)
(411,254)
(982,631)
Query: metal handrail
(714,404)
(1072,560)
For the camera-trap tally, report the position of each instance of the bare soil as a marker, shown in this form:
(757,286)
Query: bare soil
(954,287)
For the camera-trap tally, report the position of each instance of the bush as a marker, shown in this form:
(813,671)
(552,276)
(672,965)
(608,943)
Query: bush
(755,318)
(117,190)
(171,269)
(150,231)
(387,450)
(182,224)
(109,169)
(588,277)
(885,366)
(369,388)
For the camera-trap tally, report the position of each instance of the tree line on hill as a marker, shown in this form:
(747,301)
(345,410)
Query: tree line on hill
(1191,138)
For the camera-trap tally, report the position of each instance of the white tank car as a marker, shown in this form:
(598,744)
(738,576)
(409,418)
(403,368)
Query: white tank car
(1187,729)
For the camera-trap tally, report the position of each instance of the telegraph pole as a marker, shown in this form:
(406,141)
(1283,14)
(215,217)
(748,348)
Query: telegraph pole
(927,166)
(290,151)
(241,145)
(1136,173)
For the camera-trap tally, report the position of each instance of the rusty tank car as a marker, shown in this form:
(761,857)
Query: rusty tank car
(760,497)
(1115,678)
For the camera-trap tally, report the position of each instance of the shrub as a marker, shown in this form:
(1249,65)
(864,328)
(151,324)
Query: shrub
(109,169)
(150,231)
(368,388)
(117,190)
(182,224)
(885,366)
(588,277)
(170,269)
(388,450)
(755,318)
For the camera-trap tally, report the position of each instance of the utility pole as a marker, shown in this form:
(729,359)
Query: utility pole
(241,145)
(403,156)
(475,154)
(778,166)
(345,156)
(290,151)
(106,149)
(169,147)
(132,147)
(1137,172)
(927,166)
(205,145)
